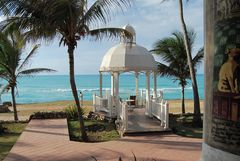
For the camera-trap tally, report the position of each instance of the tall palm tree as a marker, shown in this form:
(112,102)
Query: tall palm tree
(12,65)
(70,20)
(197,121)
(197,112)
(172,51)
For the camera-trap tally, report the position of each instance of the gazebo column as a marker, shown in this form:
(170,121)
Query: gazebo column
(136,81)
(100,84)
(114,92)
(112,84)
(155,84)
(148,99)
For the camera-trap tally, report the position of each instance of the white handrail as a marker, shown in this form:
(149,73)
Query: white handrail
(100,104)
(160,110)
(123,115)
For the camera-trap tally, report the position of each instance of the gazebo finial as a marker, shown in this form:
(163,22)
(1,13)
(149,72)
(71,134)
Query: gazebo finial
(130,29)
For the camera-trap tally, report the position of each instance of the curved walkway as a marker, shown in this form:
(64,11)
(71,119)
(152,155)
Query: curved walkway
(48,140)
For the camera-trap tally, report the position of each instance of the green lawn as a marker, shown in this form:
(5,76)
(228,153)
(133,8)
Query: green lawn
(8,139)
(98,131)
(182,125)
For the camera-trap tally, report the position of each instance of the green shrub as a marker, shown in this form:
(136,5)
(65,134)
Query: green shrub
(2,129)
(72,112)
(48,115)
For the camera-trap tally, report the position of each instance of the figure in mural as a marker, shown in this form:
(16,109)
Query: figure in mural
(229,73)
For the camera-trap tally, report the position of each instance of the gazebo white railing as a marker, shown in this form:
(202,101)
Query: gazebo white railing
(100,104)
(160,110)
(123,115)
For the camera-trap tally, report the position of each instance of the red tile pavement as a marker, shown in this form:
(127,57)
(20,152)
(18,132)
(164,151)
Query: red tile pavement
(48,140)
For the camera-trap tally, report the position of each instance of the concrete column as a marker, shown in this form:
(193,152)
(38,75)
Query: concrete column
(112,84)
(221,130)
(136,83)
(147,112)
(116,84)
(100,84)
(116,90)
(155,84)
(115,93)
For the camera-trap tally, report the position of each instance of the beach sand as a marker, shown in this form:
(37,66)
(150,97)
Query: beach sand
(25,110)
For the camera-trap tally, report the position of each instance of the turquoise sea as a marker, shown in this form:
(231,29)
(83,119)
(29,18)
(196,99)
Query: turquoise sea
(47,88)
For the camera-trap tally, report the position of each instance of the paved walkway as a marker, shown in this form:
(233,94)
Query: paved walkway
(48,140)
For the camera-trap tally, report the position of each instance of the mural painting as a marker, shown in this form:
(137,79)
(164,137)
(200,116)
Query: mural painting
(226,80)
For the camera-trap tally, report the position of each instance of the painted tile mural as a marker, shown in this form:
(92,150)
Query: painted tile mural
(226,81)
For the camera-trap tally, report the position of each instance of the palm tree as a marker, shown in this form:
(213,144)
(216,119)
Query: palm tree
(12,65)
(172,51)
(70,20)
(197,121)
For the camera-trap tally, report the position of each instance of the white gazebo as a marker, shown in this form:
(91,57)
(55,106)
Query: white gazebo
(126,57)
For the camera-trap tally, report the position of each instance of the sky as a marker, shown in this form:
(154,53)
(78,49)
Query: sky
(152,21)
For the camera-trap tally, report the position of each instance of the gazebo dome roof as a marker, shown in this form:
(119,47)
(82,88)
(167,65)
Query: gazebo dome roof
(126,57)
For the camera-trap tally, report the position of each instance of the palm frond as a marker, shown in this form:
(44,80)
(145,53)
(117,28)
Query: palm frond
(28,58)
(99,34)
(172,52)
(167,49)
(34,28)
(100,10)
(35,71)
(166,71)
(198,58)
(6,69)
(4,75)
(9,53)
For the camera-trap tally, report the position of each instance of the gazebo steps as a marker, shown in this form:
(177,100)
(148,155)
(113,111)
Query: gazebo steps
(146,132)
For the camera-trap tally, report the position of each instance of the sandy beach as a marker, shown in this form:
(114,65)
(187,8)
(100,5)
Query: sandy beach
(25,110)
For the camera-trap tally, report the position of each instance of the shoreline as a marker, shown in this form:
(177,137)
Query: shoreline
(57,101)
(25,110)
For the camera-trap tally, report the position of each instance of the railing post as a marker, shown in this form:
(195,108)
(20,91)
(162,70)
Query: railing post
(166,115)
(142,98)
(94,102)
(161,113)
(126,116)
(110,106)
(100,84)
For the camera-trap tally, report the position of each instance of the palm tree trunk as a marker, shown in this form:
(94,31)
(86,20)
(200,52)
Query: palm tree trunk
(197,113)
(74,91)
(183,101)
(14,103)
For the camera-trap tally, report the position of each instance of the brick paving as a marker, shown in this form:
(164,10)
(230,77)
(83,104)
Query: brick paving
(48,140)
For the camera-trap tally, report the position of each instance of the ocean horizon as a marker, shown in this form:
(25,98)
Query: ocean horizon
(49,88)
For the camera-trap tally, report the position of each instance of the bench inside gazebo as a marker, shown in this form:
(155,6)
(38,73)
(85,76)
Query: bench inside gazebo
(148,112)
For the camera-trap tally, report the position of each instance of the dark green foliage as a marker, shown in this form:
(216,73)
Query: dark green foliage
(48,115)
(183,125)
(72,112)
(2,129)
(97,130)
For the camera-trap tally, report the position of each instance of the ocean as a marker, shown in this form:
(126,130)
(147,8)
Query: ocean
(47,88)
